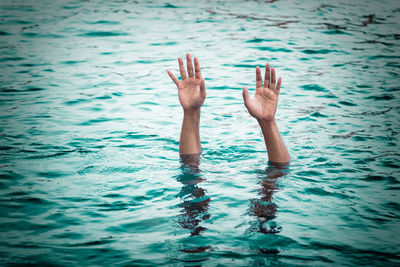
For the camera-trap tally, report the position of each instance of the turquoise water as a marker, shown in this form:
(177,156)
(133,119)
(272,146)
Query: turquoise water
(90,124)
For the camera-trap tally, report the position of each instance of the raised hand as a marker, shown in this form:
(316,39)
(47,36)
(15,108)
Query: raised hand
(191,90)
(263,105)
(263,108)
(192,93)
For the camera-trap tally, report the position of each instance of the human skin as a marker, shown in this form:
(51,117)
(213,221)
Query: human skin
(263,108)
(192,93)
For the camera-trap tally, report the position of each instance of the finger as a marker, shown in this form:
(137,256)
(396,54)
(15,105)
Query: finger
(246,96)
(267,76)
(203,87)
(273,80)
(278,86)
(189,65)
(258,77)
(197,67)
(182,69)
(176,81)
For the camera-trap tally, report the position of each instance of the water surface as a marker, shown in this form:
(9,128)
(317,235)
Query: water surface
(90,124)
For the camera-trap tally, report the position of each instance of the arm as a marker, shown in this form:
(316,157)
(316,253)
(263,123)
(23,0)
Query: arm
(192,93)
(263,108)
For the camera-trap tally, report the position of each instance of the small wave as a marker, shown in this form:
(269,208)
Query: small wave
(260,40)
(314,87)
(318,51)
(347,103)
(162,44)
(336,31)
(106,22)
(73,62)
(383,97)
(102,34)
(100,242)
(272,49)
(6,59)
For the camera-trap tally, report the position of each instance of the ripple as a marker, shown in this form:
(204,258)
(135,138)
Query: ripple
(166,44)
(318,51)
(309,173)
(272,49)
(106,22)
(73,62)
(322,192)
(336,31)
(380,178)
(381,97)
(260,40)
(94,243)
(142,226)
(102,34)
(5,59)
(99,120)
(115,206)
(318,115)
(314,87)
(77,101)
(347,103)
(138,135)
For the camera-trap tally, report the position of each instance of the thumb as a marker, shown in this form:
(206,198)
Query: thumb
(246,96)
(202,87)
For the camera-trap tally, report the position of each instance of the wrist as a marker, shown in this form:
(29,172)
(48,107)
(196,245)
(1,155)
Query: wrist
(191,112)
(266,123)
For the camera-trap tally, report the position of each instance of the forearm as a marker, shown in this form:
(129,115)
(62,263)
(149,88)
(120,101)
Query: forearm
(277,152)
(190,137)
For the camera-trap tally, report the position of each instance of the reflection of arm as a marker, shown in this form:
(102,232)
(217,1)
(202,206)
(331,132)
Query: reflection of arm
(277,152)
(264,207)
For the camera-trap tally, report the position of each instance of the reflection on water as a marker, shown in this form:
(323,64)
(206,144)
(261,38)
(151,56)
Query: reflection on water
(263,207)
(194,205)
(194,201)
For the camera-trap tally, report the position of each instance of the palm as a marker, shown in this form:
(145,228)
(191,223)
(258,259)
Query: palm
(190,94)
(263,105)
(191,90)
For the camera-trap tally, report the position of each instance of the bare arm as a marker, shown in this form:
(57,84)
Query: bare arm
(192,93)
(263,108)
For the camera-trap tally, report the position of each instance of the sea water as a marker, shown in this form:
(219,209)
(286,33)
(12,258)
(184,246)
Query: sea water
(90,124)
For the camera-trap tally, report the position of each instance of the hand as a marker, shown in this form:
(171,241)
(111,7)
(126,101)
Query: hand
(263,105)
(191,90)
